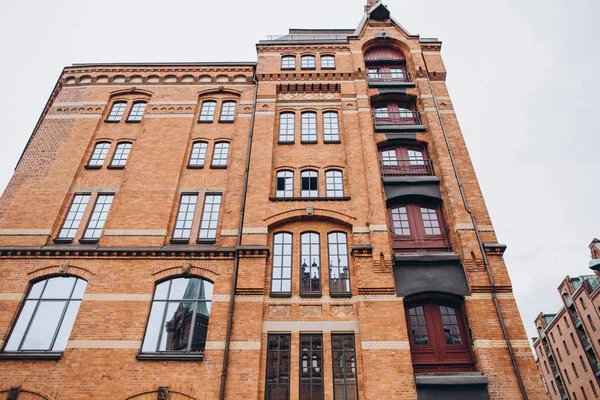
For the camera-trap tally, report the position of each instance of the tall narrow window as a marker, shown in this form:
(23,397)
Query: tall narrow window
(99,154)
(589,319)
(339,269)
(327,62)
(137,111)
(309,127)
(311,368)
(286,127)
(308,62)
(331,128)
(310,268)
(288,62)
(345,382)
(207,112)
(227,111)
(417,226)
(278,367)
(121,155)
(116,112)
(284,184)
(281,281)
(185,217)
(220,154)
(430,221)
(99,215)
(198,154)
(334,184)
(47,315)
(309,181)
(179,316)
(71,224)
(210,217)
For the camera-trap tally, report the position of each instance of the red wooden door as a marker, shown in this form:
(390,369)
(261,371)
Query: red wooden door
(438,338)
(417,226)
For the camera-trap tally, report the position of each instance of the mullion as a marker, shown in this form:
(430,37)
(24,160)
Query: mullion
(32,314)
(193,326)
(166,301)
(62,316)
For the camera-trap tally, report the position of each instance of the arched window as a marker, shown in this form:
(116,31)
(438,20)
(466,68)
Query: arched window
(395,113)
(339,268)
(198,154)
(220,155)
(438,337)
(308,62)
(309,127)
(137,111)
(179,316)
(281,280)
(227,111)
(386,65)
(310,184)
(286,127)
(121,155)
(405,161)
(288,62)
(284,186)
(116,112)
(47,315)
(207,112)
(99,155)
(331,127)
(310,264)
(334,183)
(417,226)
(327,62)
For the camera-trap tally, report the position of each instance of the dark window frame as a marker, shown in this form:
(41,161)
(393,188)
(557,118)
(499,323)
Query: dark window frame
(283,136)
(119,159)
(309,64)
(331,127)
(309,132)
(207,115)
(99,154)
(99,220)
(78,217)
(181,238)
(220,148)
(228,111)
(311,366)
(195,161)
(283,265)
(115,115)
(281,378)
(341,286)
(343,368)
(417,237)
(310,285)
(331,177)
(307,193)
(285,180)
(328,56)
(211,233)
(135,108)
(287,57)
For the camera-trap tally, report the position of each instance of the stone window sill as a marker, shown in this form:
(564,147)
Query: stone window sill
(169,357)
(31,356)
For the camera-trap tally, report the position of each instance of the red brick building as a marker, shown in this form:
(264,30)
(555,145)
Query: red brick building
(569,341)
(308,226)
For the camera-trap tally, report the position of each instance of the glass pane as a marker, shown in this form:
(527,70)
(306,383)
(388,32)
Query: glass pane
(36,289)
(21,325)
(59,288)
(67,325)
(177,326)
(184,288)
(162,290)
(79,289)
(200,328)
(44,325)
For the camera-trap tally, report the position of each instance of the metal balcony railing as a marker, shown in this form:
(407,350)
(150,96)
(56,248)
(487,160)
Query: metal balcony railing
(388,77)
(391,118)
(391,168)
(584,340)
(575,317)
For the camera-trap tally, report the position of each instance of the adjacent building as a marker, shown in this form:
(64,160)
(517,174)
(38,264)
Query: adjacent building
(569,343)
(306,226)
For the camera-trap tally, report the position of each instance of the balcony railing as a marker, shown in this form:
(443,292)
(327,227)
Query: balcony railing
(575,317)
(392,118)
(391,168)
(389,77)
(585,341)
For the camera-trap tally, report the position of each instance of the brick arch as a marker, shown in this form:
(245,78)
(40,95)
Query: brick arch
(318,214)
(390,42)
(131,91)
(153,394)
(210,272)
(26,393)
(61,269)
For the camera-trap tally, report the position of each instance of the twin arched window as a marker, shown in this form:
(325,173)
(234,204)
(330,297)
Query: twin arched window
(385,64)
(198,155)
(308,127)
(207,111)
(101,150)
(118,109)
(310,263)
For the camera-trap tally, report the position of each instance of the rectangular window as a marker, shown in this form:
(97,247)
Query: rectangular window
(328,62)
(309,127)
(116,112)
(227,111)
(574,341)
(207,112)
(285,184)
(281,281)
(389,158)
(589,319)
(71,224)
(593,389)
(308,62)
(345,385)
(339,269)
(185,216)
(309,184)
(278,367)
(334,184)
(430,221)
(311,367)
(137,112)
(583,363)
(566,348)
(288,62)
(331,128)
(99,215)
(210,217)
(286,127)
(198,154)
(99,154)
(220,154)
(121,155)
(310,268)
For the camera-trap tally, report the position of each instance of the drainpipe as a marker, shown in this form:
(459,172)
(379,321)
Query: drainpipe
(236,262)
(477,234)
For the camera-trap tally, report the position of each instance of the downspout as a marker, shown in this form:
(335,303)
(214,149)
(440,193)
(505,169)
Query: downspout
(477,234)
(236,262)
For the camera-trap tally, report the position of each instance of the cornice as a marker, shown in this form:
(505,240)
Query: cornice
(118,252)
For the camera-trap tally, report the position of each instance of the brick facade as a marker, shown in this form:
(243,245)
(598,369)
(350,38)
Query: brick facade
(137,250)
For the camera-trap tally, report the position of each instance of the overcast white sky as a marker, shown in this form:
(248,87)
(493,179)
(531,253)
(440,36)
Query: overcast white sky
(522,76)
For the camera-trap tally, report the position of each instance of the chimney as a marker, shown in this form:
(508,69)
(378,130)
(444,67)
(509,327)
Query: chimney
(370,3)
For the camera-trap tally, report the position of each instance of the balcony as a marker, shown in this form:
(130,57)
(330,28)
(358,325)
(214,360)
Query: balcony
(397,121)
(389,79)
(575,317)
(585,341)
